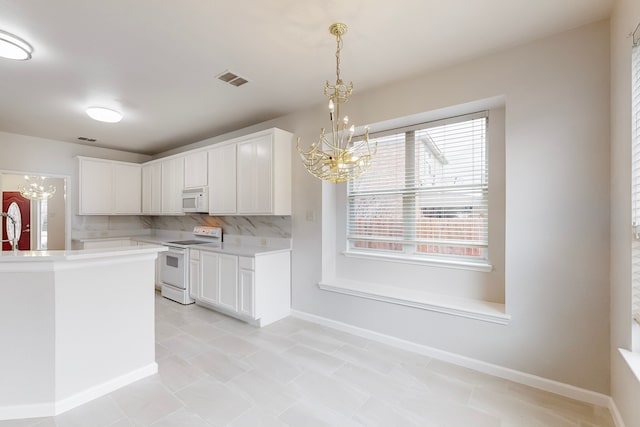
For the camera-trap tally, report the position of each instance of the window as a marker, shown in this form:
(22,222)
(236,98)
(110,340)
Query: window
(425,194)
(635,176)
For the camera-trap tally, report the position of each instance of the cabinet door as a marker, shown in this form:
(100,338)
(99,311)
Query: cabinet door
(254,174)
(222,180)
(228,270)
(195,169)
(209,277)
(194,276)
(146,189)
(156,188)
(96,187)
(246,283)
(127,182)
(172,185)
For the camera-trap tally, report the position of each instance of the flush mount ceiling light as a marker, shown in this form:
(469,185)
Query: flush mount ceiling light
(103,114)
(338,158)
(13,47)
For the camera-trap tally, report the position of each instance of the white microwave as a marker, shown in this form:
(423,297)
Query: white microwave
(195,200)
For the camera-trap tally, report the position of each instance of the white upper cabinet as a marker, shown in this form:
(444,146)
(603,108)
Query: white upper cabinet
(128,188)
(152,189)
(264,174)
(255,176)
(162,185)
(195,169)
(222,180)
(109,187)
(172,185)
(251,175)
(95,185)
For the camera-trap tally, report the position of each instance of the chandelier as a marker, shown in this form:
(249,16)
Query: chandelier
(36,189)
(337,157)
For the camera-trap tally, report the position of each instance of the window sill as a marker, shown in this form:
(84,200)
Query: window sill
(633,360)
(461,307)
(431,262)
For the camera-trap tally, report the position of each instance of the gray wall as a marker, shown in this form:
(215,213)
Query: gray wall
(556,93)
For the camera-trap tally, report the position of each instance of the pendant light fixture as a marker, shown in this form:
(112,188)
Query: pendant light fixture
(338,158)
(36,189)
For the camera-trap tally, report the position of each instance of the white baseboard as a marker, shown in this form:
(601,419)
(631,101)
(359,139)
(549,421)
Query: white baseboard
(55,408)
(36,410)
(615,414)
(104,388)
(545,384)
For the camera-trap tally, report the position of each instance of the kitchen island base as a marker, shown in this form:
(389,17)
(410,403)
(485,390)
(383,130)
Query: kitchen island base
(74,326)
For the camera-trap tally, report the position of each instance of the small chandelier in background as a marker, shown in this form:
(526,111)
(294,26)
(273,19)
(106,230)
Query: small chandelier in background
(339,159)
(36,189)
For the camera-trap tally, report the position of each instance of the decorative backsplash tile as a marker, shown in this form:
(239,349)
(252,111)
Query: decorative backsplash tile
(257,226)
(104,222)
(263,226)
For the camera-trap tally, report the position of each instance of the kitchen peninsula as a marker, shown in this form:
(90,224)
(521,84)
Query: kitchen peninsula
(74,325)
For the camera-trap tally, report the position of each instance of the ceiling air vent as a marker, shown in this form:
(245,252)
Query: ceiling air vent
(232,79)
(84,138)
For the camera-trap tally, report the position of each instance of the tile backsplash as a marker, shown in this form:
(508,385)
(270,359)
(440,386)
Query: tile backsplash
(257,226)
(263,226)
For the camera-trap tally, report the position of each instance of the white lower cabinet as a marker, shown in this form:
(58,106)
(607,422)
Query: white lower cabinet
(194,273)
(228,281)
(255,289)
(209,278)
(245,287)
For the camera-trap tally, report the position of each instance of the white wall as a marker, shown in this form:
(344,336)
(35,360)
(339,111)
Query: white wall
(31,154)
(557,219)
(557,208)
(625,388)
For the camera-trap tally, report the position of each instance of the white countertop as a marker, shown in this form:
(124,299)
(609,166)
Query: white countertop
(232,244)
(72,255)
(240,250)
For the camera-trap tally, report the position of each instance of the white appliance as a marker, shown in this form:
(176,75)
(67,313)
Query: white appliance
(174,263)
(195,200)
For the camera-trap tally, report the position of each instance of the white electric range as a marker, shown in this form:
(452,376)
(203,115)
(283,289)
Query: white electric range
(174,263)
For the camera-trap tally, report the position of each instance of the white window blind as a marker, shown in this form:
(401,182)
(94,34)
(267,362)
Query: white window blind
(635,175)
(426,192)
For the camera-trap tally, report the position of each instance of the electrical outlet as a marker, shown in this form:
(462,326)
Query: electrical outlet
(311,216)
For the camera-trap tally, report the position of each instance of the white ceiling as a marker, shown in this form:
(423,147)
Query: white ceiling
(156,60)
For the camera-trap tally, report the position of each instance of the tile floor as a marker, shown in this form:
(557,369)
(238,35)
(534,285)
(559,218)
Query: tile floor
(217,371)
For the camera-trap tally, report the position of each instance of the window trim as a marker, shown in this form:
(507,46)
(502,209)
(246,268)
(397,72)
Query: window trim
(635,179)
(481,264)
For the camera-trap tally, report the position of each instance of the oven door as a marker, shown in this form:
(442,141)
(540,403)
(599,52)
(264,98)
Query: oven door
(172,269)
